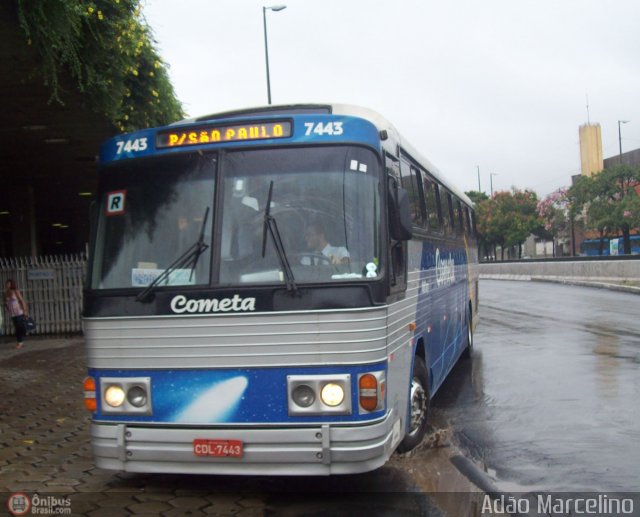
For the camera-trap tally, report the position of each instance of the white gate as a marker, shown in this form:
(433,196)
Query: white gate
(52,288)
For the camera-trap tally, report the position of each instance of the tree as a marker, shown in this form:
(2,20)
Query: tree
(108,50)
(555,214)
(508,218)
(611,201)
(478,199)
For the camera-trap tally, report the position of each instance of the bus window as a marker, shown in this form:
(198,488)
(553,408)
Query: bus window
(432,202)
(313,195)
(167,204)
(467,213)
(460,226)
(472,217)
(447,212)
(410,184)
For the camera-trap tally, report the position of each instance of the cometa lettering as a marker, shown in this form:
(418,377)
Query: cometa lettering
(445,270)
(181,304)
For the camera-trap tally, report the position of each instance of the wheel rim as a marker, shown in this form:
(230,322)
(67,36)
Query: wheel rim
(418,406)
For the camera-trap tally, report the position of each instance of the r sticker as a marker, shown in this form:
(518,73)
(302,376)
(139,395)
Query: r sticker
(115,202)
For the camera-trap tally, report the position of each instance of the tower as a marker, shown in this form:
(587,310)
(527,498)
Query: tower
(591,149)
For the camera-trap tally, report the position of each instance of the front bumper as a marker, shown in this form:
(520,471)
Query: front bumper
(319,450)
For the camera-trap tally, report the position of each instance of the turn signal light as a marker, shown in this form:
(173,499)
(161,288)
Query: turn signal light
(89,387)
(368,389)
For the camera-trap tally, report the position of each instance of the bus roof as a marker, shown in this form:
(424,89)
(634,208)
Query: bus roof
(390,144)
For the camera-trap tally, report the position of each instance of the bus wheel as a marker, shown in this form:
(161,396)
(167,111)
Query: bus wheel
(469,345)
(418,407)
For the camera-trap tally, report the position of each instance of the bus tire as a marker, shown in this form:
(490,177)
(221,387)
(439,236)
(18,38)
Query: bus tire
(468,349)
(418,407)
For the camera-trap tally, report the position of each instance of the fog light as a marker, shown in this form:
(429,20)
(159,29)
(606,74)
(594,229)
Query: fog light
(303,395)
(137,396)
(114,396)
(332,394)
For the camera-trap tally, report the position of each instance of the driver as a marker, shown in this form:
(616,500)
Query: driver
(317,241)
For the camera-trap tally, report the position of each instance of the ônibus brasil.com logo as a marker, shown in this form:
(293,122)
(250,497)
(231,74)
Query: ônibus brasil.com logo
(21,504)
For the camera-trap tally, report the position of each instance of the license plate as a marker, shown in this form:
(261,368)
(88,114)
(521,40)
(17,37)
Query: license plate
(218,448)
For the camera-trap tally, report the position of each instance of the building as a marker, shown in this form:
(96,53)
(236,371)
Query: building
(591,160)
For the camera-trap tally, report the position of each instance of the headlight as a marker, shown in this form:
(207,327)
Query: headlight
(114,396)
(137,396)
(126,396)
(303,395)
(311,395)
(332,394)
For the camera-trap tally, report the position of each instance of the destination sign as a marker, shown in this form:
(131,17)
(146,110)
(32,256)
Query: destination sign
(226,133)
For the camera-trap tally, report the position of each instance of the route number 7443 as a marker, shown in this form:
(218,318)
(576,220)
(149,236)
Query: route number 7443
(330,128)
(128,146)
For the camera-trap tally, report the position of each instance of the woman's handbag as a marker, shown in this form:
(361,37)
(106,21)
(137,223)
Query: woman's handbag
(28,323)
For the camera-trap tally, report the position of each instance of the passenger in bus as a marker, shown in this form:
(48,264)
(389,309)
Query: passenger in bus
(317,241)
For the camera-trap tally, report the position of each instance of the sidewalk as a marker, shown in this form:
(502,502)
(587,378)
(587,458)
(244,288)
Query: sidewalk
(39,343)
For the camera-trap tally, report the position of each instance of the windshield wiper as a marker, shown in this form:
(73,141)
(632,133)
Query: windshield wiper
(271,226)
(188,258)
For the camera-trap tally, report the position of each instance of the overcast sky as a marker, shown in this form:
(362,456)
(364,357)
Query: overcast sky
(499,84)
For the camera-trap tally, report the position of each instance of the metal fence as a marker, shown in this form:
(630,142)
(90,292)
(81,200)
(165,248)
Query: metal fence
(52,288)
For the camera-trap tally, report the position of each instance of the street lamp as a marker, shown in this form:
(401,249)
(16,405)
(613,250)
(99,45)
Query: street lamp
(491,175)
(620,137)
(266,47)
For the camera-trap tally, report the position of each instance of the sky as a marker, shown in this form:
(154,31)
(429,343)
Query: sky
(499,85)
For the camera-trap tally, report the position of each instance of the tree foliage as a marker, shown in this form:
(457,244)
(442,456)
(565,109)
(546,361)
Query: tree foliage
(476,196)
(108,49)
(611,201)
(508,218)
(554,211)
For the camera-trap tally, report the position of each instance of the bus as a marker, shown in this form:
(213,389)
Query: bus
(275,291)
(604,246)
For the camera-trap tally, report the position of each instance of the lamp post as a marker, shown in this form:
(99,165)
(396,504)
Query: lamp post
(620,137)
(491,175)
(266,46)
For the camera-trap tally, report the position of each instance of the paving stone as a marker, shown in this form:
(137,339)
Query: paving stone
(55,489)
(151,507)
(82,507)
(145,497)
(252,512)
(180,512)
(193,503)
(108,512)
(63,482)
(223,505)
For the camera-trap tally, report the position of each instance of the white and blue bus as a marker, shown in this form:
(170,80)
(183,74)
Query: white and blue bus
(272,291)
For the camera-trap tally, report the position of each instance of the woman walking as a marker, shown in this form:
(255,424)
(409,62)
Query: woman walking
(17,309)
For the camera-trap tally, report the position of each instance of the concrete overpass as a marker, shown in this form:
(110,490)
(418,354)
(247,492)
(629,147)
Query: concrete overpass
(47,153)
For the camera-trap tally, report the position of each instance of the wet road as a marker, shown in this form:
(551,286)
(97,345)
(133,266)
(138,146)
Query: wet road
(550,400)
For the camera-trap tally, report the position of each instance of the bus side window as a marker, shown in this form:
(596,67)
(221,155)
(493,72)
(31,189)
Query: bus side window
(432,202)
(446,211)
(467,221)
(460,226)
(410,184)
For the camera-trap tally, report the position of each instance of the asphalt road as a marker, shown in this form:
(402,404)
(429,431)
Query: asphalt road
(550,400)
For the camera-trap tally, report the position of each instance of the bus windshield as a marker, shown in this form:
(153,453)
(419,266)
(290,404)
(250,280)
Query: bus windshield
(151,213)
(324,218)
(325,204)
